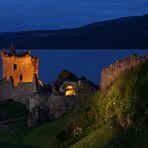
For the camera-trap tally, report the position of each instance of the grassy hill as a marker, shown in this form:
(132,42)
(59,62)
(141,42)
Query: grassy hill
(123,113)
(56,133)
(116,117)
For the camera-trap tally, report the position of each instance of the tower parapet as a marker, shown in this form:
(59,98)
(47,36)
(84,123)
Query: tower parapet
(22,67)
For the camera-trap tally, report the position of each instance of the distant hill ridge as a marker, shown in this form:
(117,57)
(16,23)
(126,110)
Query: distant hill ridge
(123,33)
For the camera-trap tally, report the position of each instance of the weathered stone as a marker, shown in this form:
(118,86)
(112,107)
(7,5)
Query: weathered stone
(21,93)
(59,105)
(114,70)
(21,67)
(20,76)
(54,89)
(36,116)
(39,100)
(48,107)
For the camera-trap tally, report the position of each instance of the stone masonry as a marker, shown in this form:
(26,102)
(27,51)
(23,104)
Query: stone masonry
(114,70)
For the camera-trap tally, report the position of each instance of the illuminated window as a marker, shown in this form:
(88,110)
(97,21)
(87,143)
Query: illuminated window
(70,91)
(21,77)
(14,66)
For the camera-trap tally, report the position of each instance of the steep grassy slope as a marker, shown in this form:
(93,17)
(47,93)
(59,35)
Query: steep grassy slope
(59,133)
(99,138)
(125,103)
(127,98)
(116,117)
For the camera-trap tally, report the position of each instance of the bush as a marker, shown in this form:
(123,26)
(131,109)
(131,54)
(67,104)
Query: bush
(66,75)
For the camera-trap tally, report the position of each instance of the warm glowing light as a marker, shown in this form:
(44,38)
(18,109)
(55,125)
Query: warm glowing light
(70,91)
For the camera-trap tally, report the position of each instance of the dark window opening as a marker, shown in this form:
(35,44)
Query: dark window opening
(21,77)
(15,66)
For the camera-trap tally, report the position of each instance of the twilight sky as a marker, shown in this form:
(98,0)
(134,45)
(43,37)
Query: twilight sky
(88,63)
(17,15)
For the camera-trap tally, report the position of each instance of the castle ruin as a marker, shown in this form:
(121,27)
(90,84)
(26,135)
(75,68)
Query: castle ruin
(20,76)
(110,73)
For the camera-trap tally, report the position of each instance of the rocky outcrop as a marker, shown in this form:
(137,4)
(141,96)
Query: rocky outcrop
(114,70)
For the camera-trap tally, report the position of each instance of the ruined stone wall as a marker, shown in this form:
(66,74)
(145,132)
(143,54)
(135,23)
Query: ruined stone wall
(16,66)
(54,105)
(21,93)
(114,70)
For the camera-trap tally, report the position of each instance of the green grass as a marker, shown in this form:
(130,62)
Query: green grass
(10,145)
(50,134)
(57,133)
(100,138)
(130,138)
(45,135)
(127,98)
(10,109)
(114,118)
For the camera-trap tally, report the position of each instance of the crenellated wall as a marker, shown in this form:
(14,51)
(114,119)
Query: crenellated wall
(21,68)
(114,70)
(20,76)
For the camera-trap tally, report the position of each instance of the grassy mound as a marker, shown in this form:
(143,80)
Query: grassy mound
(10,108)
(99,138)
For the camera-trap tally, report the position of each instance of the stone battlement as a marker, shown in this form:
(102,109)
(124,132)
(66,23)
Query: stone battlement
(20,76)
(114,70)
(21,67)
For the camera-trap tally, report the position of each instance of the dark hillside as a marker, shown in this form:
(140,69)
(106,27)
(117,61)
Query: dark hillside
(123,33)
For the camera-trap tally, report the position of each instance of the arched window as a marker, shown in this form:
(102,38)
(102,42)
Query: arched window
(70,91)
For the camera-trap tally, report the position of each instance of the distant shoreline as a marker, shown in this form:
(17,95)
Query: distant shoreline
(123,33)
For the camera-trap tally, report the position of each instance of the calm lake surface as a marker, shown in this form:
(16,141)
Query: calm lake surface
(81,62)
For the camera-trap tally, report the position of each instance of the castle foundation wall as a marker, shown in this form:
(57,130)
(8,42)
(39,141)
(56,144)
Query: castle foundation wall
(21,93)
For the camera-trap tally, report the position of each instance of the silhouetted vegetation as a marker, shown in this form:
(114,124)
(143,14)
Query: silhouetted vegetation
(66,75)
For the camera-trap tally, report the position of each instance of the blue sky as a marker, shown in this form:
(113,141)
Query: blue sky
(17,15)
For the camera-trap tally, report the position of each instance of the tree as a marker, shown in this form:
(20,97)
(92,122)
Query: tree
(66,75)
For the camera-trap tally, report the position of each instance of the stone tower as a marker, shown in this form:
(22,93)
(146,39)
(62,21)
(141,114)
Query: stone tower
(20,76)
(20,67)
